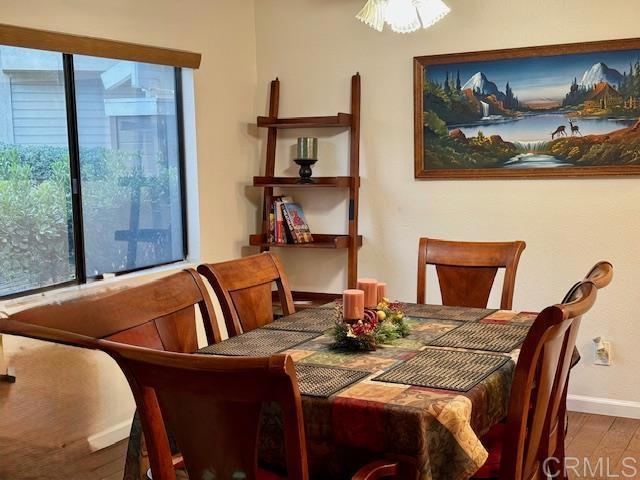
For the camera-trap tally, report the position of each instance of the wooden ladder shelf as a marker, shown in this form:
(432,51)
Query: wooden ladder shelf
(351,241)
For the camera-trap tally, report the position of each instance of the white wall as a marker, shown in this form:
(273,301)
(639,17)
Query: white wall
(314,46)
(224,33)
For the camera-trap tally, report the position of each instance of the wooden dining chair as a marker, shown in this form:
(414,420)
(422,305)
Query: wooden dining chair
(466,270)
(527,443)
(211,404)
(600,275)
(243,287)
(159,314)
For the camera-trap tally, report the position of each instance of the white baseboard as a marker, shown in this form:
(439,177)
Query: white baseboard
(111,435)
(603,406)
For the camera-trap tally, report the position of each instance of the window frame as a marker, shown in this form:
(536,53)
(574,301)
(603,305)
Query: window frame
(76,184)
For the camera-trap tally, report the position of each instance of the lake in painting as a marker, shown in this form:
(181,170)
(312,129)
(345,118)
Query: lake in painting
(569,110)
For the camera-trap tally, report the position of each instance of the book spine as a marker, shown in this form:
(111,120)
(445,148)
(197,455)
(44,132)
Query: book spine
(289,223)
(280,235)
(274,212)
(271,238)
(300,226)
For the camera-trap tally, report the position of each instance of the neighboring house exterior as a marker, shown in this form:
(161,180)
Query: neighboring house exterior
(120,104)
(34,111)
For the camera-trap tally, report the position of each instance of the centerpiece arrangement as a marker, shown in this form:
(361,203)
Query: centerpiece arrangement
(366,318)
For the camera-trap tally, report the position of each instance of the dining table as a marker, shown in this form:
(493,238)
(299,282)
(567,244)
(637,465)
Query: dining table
(425,399)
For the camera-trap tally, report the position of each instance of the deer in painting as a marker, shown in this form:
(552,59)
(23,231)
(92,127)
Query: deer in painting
(559,131)
(574,129)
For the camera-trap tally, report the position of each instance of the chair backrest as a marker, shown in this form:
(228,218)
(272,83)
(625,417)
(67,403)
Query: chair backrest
(243,287)
(600,275)
(212,406)
(538,385)
(156,315)
(159,314)
(466,270)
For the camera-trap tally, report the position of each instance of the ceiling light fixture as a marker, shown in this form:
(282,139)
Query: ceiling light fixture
(402,16)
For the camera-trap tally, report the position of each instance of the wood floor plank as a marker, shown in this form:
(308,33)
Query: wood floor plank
(104,457)
(116,465)
(634,444)
(606,459)
(576,420)
(628,465)
(115,476)
(589,435)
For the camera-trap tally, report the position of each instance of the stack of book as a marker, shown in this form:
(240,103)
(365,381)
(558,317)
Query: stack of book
(287,223)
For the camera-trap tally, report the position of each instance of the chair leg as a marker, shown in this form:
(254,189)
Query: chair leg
(8,376)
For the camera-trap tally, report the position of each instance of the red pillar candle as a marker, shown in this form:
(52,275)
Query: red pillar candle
(353,304)
(370,288)
(382,291)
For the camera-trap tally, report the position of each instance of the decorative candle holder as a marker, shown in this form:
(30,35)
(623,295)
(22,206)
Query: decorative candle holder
(381,291)
(370,288)
(307,155)
(305,170)
(363,329)
(352,305)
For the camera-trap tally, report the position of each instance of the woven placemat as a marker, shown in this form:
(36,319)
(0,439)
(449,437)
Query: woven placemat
(444,369)
(463,314)
(258,343)
(316,320)
(333,304)
(420,310)
(322,381)
(491,337)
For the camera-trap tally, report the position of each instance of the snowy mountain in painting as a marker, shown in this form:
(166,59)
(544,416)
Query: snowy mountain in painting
(601,73)
(479,82)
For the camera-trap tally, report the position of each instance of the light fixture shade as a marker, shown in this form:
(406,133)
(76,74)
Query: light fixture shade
(402,16)
(431,11)
(373,14)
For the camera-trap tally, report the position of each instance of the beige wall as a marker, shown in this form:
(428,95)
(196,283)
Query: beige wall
(224,33)
(314,46)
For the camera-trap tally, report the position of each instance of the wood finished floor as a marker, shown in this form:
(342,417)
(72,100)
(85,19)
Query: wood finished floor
(43,428)
(46,416)
(608,439)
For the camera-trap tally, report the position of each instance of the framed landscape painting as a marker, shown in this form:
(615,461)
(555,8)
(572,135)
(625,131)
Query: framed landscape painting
(554,111)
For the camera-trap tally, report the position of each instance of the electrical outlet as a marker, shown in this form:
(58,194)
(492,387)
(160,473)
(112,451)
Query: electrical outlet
(602,352)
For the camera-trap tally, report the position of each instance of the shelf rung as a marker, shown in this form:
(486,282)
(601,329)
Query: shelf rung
(340,120)
(336,182)
(319,241)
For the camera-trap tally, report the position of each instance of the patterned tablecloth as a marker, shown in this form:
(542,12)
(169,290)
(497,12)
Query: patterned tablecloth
(439,430)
